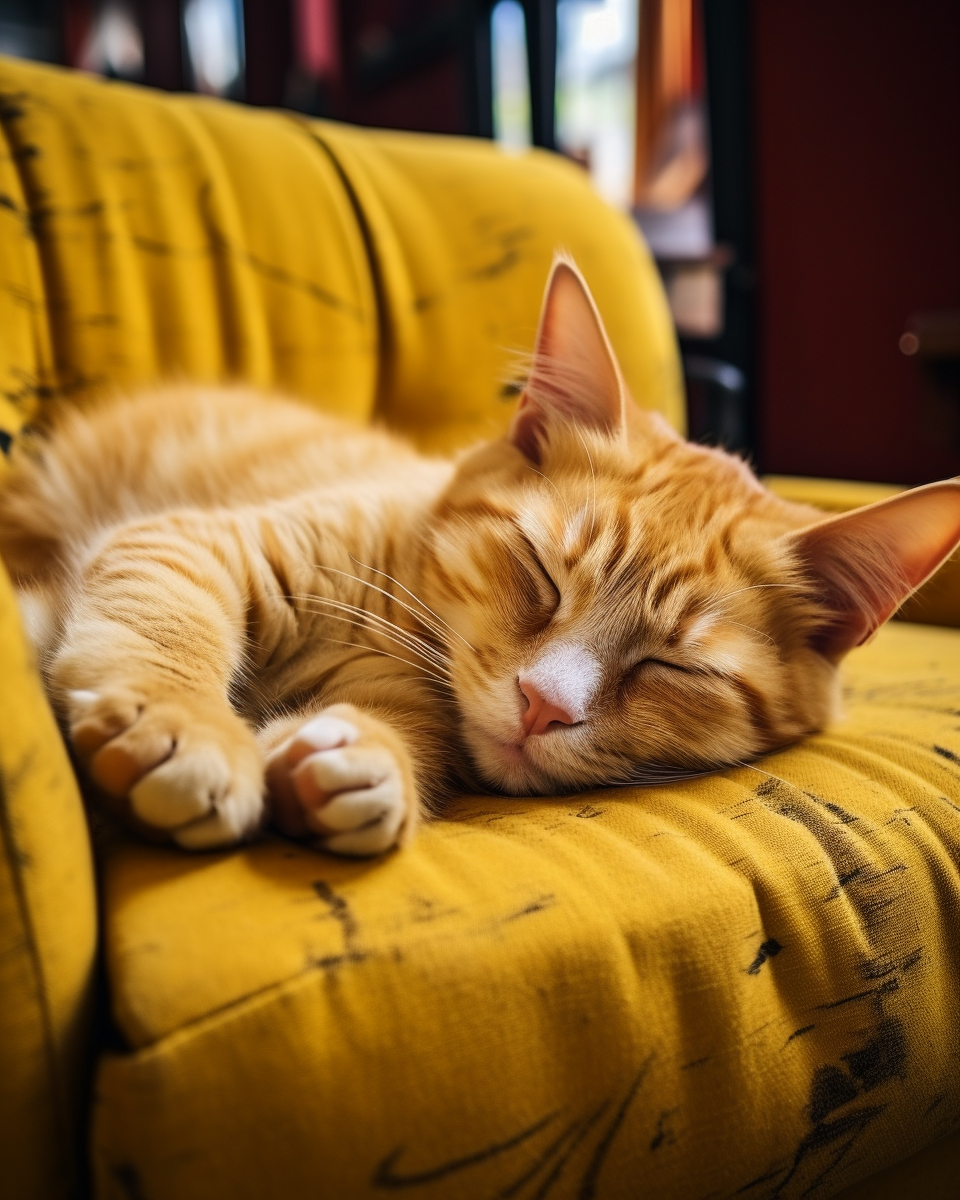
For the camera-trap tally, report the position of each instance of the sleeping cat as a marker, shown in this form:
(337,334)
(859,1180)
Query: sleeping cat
(246,610)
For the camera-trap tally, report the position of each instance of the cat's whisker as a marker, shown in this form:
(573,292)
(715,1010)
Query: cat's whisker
(768,774)
(758,632)
(410,640)
(647,777)
(386,654)
(415,597)
(404,645)
(754,587)
(396,600)
(560,496)
(427,648)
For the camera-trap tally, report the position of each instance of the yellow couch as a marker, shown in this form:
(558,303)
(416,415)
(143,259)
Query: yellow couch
(745,985)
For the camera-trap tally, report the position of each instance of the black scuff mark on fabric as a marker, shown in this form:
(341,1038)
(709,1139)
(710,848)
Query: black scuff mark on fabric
(588,1182)
(664,1136)
(578,1129)
(277,274)
(876,994)
(828,1133)
(12,105)
(6,441)
(934,1105)
(341,912)
(220,244)
(799,1033)
(31,387)
(884,1057)
(127,1178)
(768,949)
(899,818)
(509,255)
(947,754)
(548,900)
(26,152)
(425,910)
(696,1062)
(23,298)
(841,814)
(885,965)
(830,1089)
(588,812)
(387,1178)
(764,1178)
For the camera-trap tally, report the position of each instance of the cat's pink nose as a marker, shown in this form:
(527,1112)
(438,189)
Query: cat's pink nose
(541,713)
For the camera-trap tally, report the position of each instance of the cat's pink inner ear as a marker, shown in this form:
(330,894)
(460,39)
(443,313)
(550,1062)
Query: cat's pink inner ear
(575,375)
(870,560)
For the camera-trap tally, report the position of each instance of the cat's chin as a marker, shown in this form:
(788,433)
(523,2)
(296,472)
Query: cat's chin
(506,766)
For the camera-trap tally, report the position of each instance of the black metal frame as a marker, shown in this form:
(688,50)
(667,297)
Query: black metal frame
(540,17)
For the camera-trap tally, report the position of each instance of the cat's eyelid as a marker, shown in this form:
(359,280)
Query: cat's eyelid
(534,554)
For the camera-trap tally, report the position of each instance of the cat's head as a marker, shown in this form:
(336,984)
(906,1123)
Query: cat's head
(628,606)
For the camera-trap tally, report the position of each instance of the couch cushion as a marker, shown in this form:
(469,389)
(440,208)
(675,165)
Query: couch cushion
(741,983)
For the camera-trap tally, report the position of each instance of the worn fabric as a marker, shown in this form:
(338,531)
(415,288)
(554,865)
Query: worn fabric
(48,935)
(748,979)
(744,983)
(144,237)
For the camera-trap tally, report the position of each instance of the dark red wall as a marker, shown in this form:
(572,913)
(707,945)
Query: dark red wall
(857,155)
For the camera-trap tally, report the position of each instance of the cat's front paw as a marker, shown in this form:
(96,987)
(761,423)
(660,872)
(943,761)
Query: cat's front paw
(343,780)
(185,769)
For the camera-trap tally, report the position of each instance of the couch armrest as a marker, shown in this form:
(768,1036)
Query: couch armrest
(48,932)
(938,601)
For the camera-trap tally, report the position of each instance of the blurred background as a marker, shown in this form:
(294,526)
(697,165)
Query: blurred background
(794,165)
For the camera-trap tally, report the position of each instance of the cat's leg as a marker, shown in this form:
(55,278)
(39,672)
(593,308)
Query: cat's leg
(342,777)
(153,638)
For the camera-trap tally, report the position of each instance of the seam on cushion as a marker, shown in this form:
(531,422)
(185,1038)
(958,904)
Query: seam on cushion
(376,275)
(15,857)
(196,1026)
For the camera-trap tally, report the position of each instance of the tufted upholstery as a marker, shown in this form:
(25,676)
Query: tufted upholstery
(740,985)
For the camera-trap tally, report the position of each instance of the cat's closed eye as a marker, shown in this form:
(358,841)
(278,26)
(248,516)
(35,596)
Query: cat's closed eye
(552,591)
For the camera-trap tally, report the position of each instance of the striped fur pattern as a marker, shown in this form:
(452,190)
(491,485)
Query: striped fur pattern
(246,610)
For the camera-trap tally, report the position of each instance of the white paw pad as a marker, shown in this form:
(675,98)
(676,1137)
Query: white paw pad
(352,795)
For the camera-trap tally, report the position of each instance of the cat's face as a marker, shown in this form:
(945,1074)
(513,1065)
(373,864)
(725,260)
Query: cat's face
(634,594)
(627,606)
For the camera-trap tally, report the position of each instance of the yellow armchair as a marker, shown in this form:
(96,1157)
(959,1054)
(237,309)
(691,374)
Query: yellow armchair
(743,985)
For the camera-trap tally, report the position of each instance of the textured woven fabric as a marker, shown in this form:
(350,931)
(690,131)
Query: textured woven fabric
(746,979)
(47,934)
(742,984)
(144,236)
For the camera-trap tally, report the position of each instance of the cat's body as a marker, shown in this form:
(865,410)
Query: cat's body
(243,606)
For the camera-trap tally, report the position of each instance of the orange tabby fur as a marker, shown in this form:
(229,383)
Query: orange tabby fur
(245,608)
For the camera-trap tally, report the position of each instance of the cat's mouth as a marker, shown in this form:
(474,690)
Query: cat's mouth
(507,765)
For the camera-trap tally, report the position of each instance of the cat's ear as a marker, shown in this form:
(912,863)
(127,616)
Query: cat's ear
(867,562)
(575,374)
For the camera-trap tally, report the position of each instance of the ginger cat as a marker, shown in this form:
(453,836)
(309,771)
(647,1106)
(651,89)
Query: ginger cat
(247,610)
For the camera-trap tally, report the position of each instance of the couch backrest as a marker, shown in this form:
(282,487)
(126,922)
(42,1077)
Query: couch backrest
(146,237)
